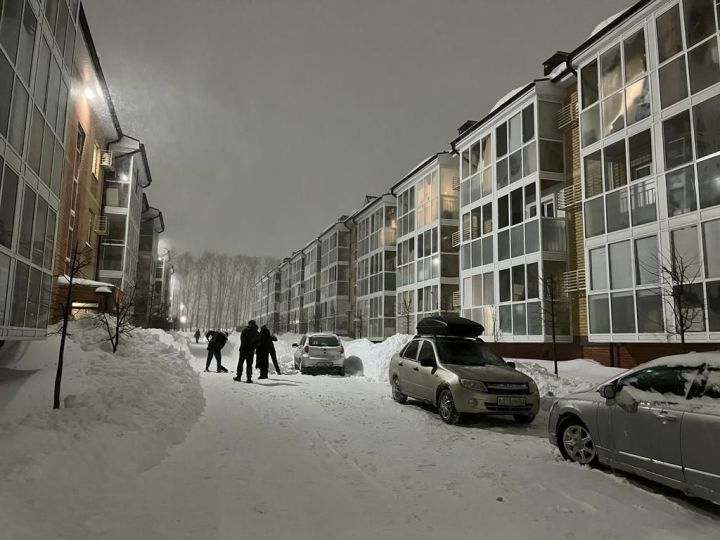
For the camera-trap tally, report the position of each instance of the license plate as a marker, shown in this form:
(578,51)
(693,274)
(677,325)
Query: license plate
(325,364)
(510,401)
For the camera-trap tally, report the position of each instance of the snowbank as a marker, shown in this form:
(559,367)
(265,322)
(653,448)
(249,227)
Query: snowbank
(376,357)
(120,414)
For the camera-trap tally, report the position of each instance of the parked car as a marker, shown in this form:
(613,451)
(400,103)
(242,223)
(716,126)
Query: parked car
(459,373)
(319,352)
(660,421)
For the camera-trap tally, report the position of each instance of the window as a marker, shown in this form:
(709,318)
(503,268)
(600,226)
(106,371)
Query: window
(598,270)
(662,380)
(710,235)
(643,202)
(589,77)
(640,155)
(79,147)
(637,101)
(551,156)
(504,285)
(680,187)
(706,117)
(704,66)
(647,265)
(623,312)
(673,85)
(38,248)
(709,182)
(518,283)
(528,123)
(17,312)
(8,198)
(618,211)
(501,147)
(4,283)
(635,56)
(669,37)
(426,352)
(610,71)
(598,314)
(620,265)
(593,174)
(713,295)
(594,217)
(649,311)
(684,245)
(411,350)
(677,140)
(698,15)
(91,227)
(96,161)
(615,166)
(613,114)
(590,121)
(26,223)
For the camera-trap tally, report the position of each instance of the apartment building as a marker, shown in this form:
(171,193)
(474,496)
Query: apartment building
(124,186)
(647,93)
(152,225)
(513,232)
(427,265)
(374,280)
(267,298)
(92,123)
(283,308)
(297,321)
(335,308)
(311,286)
(37,45)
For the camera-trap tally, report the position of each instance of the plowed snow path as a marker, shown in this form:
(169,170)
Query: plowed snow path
(301,457)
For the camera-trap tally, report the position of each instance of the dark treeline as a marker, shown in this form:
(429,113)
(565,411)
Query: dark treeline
(215,290)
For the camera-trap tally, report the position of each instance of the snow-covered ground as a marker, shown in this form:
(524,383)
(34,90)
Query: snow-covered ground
(296,457)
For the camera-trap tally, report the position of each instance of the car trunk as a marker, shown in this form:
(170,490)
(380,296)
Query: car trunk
(325,349)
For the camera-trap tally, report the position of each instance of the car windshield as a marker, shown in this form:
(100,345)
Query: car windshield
(324,341)
(468,353)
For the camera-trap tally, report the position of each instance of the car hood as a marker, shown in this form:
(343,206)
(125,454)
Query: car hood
(586,395)
(488,373)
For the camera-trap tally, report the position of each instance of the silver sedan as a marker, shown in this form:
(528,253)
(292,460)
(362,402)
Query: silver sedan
(660,421)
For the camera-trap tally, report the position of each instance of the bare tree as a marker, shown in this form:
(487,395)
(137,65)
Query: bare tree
(497,332)
(79,259)
(118,322)
(550,297)
(678,276)
(406,311)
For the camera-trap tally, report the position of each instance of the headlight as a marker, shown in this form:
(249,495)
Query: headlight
(533,387)
(470,384)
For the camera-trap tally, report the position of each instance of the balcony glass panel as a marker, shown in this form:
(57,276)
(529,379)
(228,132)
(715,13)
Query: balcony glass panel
(553,235)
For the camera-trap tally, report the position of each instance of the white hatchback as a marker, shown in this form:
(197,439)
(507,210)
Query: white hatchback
(319,352)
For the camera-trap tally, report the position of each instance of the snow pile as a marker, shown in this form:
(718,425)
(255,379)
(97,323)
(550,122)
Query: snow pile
(376,357)
(120,414)
(285,350)
(550,385)
(607,22)
(506,97)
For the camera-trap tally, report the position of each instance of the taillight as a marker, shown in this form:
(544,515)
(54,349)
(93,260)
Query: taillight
(306,350)
(342,349)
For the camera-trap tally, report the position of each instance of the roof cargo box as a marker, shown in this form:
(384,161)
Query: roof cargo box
(449,325)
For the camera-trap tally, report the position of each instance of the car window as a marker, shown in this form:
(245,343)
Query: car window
(426,352)
(324,341)
(302,340)
(467,352)
(411,350)
(712,385)
(674,380)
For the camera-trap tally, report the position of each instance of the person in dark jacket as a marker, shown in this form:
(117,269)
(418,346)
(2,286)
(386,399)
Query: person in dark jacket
(216,341)
(197,336)
(265,348)
(249,341)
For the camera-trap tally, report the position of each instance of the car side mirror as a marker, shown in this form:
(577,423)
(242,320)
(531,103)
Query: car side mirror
(608,391)
(511,365)
(294,344)
(427,362)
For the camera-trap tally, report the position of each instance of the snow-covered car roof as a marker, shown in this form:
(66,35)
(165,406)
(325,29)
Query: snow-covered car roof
(693,359)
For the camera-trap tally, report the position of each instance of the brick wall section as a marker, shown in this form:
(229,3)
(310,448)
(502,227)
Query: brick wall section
(624,355)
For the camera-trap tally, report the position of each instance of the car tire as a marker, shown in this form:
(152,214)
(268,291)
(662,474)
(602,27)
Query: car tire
(341,372)
(397,392)
(524,418)
(575,442)
(446,407)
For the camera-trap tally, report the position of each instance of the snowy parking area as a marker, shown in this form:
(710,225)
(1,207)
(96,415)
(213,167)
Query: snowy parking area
(303,457)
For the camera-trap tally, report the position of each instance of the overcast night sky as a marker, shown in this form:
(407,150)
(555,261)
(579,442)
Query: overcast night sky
(266,120)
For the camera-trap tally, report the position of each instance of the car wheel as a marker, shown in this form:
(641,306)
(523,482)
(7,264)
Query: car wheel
(341,372)
(576,443)
(397,392)
(446,407)
(524,418)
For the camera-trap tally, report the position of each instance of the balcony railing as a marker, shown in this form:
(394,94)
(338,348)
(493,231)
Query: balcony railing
(456,183)
(567,116)
(574,281)
(456,239)
(553,235)
(450,207)
(456,300)
(569,196)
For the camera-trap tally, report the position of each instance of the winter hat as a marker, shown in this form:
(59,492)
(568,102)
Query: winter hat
(252,323)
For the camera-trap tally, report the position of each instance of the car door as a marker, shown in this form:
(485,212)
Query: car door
(423,376)
(646,419)
(406,368)
(701,439)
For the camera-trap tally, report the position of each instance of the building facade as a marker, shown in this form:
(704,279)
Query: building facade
(152,225)
(374,282)
(125,183)
(427,260)
(297,321)
(335,309)
(513,248)
(37,44)
(311,286)
(648,97)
